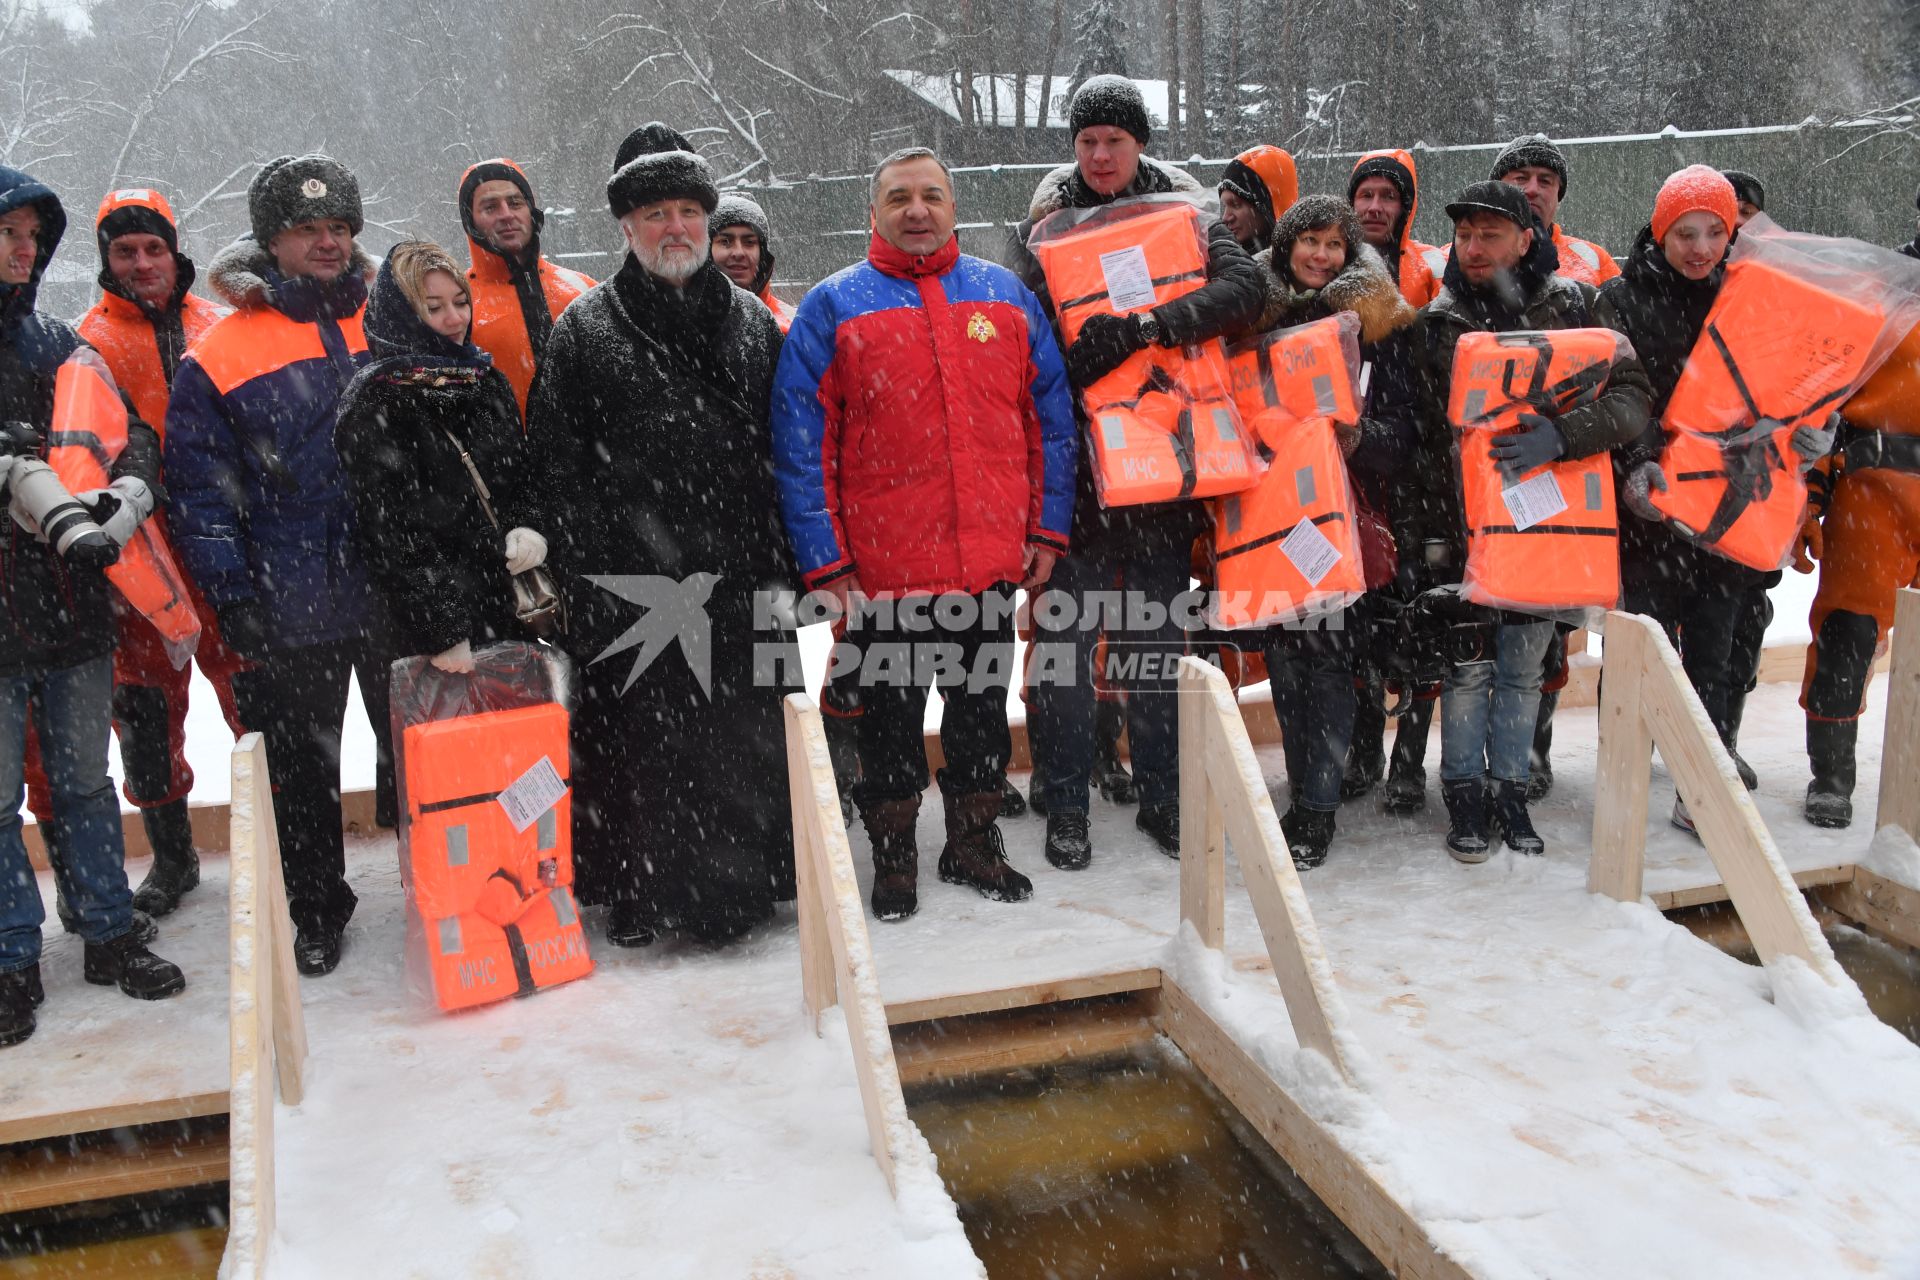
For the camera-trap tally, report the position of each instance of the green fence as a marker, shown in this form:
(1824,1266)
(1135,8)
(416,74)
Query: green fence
(1834,180)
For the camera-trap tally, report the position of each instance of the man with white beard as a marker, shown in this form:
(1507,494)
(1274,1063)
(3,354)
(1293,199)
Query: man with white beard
(648,432)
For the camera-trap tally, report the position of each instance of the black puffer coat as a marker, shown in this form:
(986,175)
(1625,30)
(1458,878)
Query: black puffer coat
(55,615)
(1226,306)
(437,562)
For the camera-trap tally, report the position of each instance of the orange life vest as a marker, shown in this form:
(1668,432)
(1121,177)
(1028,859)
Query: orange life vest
(1288,548)
(1889,401)
(88,433)
(1307,371)
(1550,540)
(1773,346)
(496,903)
(1163,423)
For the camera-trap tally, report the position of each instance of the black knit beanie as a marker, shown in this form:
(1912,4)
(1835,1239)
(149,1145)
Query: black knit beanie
(136,219)
(1109,100)
(496,170)
(1746,187)
(737,210)
(1528,151)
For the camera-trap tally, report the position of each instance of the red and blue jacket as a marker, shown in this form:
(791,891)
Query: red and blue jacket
(257,500)
(923,430)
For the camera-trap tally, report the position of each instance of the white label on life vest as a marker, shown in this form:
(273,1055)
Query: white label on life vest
(1129,282)
(1310,552)
(1532,501)
(532,794)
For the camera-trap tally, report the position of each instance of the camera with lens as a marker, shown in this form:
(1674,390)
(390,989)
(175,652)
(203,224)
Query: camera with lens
(41,504)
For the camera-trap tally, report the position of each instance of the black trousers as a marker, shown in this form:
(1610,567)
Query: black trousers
(297,699)
(968,656)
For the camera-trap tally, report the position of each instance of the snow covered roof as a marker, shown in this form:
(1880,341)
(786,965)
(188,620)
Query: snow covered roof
(995,91)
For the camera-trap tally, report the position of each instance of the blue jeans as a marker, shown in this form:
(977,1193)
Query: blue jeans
(1488,708)
(1142,652)
(1311,667)
(72,709)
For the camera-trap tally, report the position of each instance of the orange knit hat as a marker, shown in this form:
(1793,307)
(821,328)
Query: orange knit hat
(1694,189)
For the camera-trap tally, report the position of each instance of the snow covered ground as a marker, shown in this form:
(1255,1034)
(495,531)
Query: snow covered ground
(1556,1084)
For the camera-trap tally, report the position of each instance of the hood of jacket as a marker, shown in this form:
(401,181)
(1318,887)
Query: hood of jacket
(17,191)
(1364,287)
(1063,189)
(1396,166)
(244,276)
(394,328)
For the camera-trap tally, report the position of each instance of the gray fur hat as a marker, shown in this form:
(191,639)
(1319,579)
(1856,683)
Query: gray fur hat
(296,189)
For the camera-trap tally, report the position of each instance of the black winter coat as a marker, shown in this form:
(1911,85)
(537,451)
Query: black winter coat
(438,563)
(650,448)
(1226,306)
(1545,301)
(56,616)
(1662,313)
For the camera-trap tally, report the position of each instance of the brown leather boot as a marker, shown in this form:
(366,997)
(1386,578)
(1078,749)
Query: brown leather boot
(974,854)
(896,858)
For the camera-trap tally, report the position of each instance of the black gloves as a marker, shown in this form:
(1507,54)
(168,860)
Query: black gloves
(1537,443)
(1103,345)
(243,628)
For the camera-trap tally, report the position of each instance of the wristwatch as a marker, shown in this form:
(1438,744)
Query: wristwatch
(1149,327)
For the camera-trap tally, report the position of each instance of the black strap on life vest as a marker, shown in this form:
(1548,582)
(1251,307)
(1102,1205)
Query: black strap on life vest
(1279,535)
(1579,388)
(517,945)
(1748,466)
(1860,450)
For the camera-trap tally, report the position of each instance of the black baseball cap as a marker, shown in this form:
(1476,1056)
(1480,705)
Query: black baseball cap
(1493,197)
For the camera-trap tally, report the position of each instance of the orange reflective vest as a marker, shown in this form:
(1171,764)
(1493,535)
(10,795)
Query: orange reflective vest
(782,313)
(499,326)
(1289,548)
(1164,424)
(496,903)
(1551,539)
(88,433)
(121,332)
(1307,371)
(1773,346)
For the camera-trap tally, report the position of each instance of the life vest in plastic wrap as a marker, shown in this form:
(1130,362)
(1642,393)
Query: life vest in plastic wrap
(1549,540)
(1288,548)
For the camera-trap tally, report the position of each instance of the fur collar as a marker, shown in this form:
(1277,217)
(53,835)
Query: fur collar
(1364,287)
(1052,193)
(238,272)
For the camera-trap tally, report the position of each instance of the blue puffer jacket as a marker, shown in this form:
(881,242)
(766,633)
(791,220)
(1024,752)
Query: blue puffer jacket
(259,505)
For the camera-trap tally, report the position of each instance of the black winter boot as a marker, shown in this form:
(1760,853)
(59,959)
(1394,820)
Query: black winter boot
(896,856)
(176,865)
(1540,759)
(1512,822)
(1309,834)
(1830,750)
(316,952)
(20,995)
(1366,750)
(1069,847)
(1012,803)
(144,929)
(1736,709)
(843,750)
(628,925)
(1467,819)
(1162,822)
(124,961)
(1115,783)
(1406,791)
(974,854)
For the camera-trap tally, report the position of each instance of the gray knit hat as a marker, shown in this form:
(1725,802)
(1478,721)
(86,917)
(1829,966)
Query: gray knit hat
(738,210)
(1109,100)
(1528,151)
(296,189)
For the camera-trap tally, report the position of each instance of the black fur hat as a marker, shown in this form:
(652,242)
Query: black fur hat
(662,175)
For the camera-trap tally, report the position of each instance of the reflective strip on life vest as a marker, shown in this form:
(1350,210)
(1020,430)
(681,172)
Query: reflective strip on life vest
(1565,553)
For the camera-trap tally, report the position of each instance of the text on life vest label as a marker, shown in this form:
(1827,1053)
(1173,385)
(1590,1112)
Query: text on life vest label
(532,794)
(1129,282)
(1532,501)
(1310,552)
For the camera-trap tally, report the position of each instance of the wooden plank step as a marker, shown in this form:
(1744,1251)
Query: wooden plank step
(40,1175)
(1707,894)
(177,1255)
(55,1124)
(945,1048)
(1883,907)
(1020,997)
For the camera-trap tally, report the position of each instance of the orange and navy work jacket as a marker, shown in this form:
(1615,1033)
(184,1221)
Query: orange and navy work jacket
(923,430)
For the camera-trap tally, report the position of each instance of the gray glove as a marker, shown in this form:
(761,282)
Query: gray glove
(1813,443)
(132,502)
(1537,443)
(1641,482)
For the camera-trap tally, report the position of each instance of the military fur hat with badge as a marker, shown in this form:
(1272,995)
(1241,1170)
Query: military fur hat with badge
(296,189)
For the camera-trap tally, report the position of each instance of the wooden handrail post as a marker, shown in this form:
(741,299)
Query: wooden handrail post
(1203,839)
(1900,748)
(1625,768)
